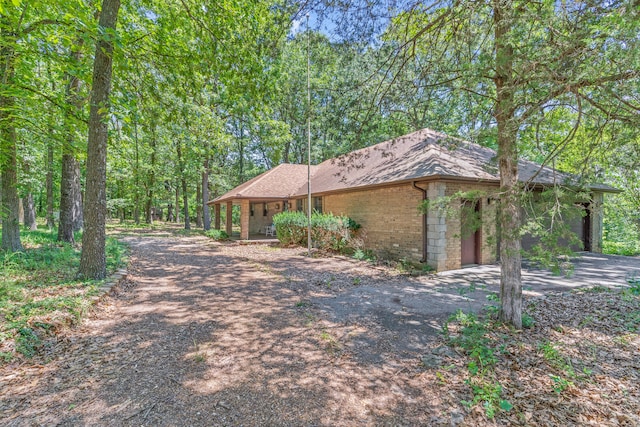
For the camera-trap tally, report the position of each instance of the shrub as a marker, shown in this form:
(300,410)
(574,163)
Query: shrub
(217,234)
(364,255)
(332,232)
(327,230)
(291,227)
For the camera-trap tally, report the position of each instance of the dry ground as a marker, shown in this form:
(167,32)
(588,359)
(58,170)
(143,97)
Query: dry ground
(208,334)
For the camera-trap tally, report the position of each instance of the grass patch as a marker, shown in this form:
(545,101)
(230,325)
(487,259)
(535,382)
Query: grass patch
(217,234)
(129,224)
(634,283)
(627,248)
(332,346)
(39,291)
(190,232)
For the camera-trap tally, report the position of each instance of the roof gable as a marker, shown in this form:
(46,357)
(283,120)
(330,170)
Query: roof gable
(277,183)
(414,156)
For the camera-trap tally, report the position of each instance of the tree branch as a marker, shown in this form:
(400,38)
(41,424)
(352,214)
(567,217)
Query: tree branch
(575,88)
(627,119)
(61,105)
(35,25)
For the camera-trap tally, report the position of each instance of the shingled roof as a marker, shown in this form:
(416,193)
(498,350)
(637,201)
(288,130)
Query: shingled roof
(275,184)
(416,156)
(424,154)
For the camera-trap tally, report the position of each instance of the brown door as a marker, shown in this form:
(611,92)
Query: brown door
(470,236)
(586,228)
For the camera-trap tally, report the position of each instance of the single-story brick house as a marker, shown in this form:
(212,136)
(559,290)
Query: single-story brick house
(381,187)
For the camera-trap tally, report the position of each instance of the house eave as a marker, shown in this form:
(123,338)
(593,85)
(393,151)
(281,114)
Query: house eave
(253,199)
(409,181)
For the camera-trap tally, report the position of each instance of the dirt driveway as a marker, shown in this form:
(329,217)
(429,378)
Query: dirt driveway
(209,334)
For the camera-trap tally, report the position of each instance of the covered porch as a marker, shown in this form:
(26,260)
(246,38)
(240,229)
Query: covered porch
(260,199)
(256,217)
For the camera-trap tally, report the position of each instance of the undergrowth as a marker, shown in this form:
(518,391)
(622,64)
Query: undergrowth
(217,234)
(634,283)
(39,291)
(469,333)
(627,248)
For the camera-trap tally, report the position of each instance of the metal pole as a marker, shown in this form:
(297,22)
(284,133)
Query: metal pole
(308,138)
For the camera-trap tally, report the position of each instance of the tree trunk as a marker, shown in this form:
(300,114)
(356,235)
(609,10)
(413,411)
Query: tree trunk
(241,154)
(198,205)
(10,201)
(136,173)
(28,206)
(76,214)
(50,220)
(8,138)
(510,244)
(185,204)
(30,213)
(70,167)
(206,212)
(71,215)
(20,211)
(93,259)
(177,218)
(65,226)
(148,208)
(183,183)
(285,153)
(151,178)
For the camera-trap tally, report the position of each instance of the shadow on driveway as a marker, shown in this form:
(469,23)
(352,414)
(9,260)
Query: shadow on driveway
(411,311)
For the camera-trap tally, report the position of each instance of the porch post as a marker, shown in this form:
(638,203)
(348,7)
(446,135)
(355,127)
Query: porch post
(244,219)
(229,218)
(596,212)
(217,216)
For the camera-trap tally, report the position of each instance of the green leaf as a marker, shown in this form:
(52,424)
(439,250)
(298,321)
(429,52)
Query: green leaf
(505,405)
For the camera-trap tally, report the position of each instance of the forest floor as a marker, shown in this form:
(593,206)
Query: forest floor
(207,333)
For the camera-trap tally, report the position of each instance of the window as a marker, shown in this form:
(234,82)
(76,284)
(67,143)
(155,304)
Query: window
(265,211)
(251,209)
(299,205)
(317,204)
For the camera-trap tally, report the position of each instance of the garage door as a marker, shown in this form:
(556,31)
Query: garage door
(580,225)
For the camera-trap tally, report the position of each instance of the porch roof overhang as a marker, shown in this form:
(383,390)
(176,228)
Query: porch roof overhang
(275,184)
(236,200)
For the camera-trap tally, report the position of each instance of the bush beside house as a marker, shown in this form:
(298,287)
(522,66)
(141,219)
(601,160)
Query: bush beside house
(327,230)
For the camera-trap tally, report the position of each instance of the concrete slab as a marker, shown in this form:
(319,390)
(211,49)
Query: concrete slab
(413,309)
(589,269)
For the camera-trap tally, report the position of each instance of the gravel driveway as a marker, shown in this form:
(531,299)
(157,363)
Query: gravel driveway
(208,334)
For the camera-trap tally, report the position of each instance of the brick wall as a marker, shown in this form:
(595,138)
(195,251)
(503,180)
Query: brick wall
(393,225)
(244,219)
(487,235)
(389,217)
(259,221)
